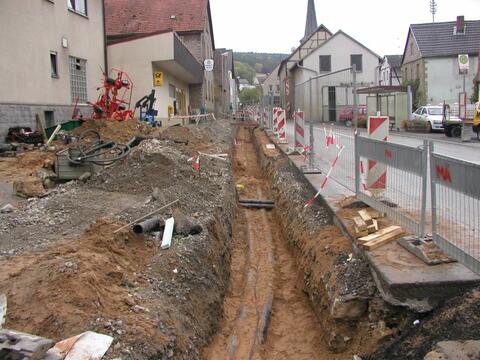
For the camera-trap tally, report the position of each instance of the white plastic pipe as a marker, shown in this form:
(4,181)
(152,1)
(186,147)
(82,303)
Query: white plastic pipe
(168,233)
(54,134)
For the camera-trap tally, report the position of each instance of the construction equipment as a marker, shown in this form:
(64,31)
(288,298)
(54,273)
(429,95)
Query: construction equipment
(26,135)
(476,120)
(145,104)
(115,101)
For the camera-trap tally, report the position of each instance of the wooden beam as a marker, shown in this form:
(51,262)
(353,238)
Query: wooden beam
(379,233)
(359,223)
(366,217)
(373,228)
(382,240)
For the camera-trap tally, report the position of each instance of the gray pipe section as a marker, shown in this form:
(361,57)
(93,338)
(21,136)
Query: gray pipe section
(148,226)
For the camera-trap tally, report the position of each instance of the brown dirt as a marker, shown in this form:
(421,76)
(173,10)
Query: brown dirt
(61,279)
(263,269)
(120,131)
(24,165)
(456,320)
(329,269)
(76,282)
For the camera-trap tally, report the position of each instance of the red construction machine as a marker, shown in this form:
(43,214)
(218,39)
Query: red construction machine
(115,101)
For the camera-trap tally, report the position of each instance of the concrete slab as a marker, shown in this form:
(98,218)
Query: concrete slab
(402,278)
(455,350)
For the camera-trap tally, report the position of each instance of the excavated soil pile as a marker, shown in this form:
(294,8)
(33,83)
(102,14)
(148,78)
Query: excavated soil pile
(341,290)
(120,131)
(25,165)
(456,320)
(155,303)
(55,292)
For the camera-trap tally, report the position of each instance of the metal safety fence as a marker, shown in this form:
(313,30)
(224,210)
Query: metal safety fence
(401,189)
(455,192)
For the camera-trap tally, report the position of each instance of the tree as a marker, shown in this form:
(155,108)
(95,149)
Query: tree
(250,95)
(245,71)
(416,92)
(475,94)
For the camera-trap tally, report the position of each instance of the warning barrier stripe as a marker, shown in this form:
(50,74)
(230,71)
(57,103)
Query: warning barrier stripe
(325,180)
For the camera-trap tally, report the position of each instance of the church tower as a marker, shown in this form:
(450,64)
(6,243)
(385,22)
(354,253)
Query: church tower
(311,24)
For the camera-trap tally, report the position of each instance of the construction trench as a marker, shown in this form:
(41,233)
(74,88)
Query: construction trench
(256,282)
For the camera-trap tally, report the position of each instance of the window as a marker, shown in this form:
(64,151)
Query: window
(78,80)
(53,64)
(424,111)
(79,6)
(325,63)
(356,60)
(418,71)
(271,87)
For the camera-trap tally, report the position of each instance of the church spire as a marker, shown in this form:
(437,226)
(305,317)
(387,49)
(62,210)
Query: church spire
(311,24)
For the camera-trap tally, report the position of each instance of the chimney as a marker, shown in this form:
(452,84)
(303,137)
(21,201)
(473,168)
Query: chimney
(460,24)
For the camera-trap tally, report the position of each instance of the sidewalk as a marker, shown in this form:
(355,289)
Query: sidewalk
(402,278)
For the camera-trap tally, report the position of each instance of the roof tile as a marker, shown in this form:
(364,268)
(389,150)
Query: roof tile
(148,16)
(438,39)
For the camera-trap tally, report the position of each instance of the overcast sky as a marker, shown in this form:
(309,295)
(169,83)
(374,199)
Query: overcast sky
(278,25)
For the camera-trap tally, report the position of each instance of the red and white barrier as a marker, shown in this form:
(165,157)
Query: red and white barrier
(282,127)
(195,160)
(378,127)
(325,179)
(275,120)
(299,117)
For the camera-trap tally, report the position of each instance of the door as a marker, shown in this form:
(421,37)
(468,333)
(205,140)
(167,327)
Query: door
(332,104)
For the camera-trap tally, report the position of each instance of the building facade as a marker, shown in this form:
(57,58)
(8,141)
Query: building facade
(430,60)
(61,65)
(190,20)
(333,92)
(391,71)
(224,73)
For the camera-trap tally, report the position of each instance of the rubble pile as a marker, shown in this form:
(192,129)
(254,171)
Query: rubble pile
(153,302)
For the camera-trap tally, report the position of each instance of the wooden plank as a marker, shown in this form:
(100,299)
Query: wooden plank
(366,216)
(360,233)
(375,214)
(379,233)
(382,240)
(373,228)
(359,223)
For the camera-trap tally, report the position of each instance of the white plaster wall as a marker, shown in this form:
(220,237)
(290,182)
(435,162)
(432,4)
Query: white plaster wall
(444,81)
(125,56)
(29,30)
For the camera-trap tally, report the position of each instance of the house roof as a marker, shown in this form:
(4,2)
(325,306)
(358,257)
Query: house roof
(133,17)
(395,61)
(438,39)
(340,32)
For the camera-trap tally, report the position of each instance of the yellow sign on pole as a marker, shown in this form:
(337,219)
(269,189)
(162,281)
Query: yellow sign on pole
(158,78)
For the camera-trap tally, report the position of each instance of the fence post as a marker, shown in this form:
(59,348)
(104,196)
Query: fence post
(355,99)
(423,215)
(310,111)
(357,164)
(433,190)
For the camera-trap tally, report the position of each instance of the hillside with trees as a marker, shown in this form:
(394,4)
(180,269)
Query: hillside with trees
(261,62)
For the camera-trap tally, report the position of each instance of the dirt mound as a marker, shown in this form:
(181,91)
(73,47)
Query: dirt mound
(25,164)
(458,319)
(199,138)
(119,131)
(75,281)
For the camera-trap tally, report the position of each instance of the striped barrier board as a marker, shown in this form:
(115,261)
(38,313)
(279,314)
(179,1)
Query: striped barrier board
(275,120)
(378,127)
(299,117)
(282,127)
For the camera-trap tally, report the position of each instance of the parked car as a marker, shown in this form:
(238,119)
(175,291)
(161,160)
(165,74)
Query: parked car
(433,117)
(346,114)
